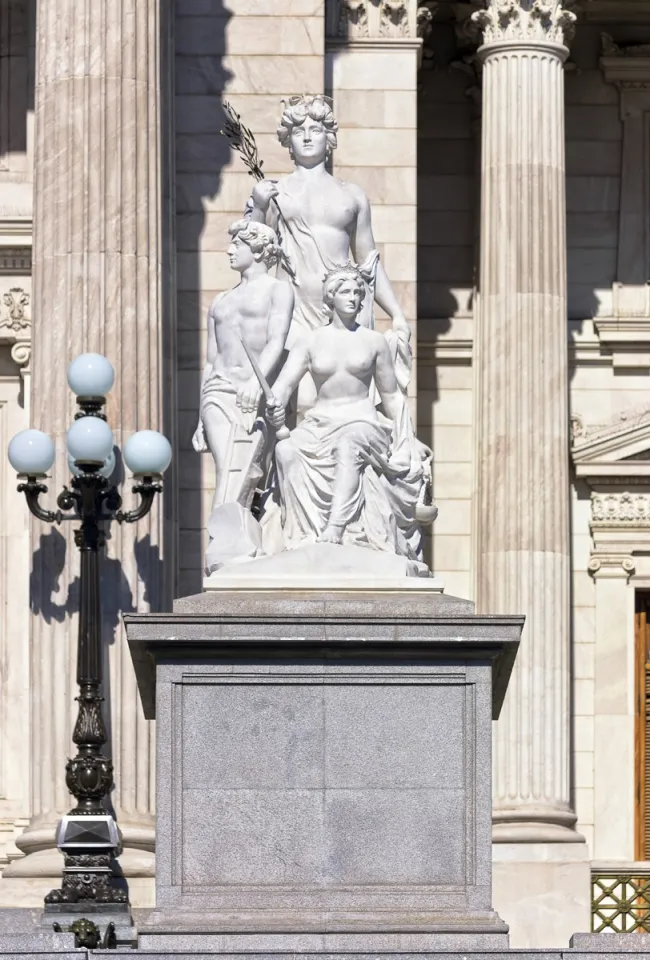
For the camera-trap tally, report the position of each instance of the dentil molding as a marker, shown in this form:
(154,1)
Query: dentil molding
(546,21)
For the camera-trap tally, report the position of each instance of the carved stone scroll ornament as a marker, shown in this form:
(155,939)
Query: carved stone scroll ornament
(525,20)
(611,566)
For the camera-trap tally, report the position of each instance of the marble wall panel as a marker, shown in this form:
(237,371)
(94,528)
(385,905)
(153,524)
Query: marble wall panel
(252,53)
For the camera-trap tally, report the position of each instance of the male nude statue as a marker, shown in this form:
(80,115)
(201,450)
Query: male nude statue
(257,311)
(321,221)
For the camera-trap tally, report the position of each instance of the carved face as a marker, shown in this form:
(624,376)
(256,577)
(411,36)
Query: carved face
(240,255)
(308,142)
(347,299)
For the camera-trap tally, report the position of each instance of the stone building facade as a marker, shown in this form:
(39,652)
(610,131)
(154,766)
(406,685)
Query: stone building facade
(505,149)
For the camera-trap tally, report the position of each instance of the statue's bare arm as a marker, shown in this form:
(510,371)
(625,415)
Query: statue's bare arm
(295,368)
(363,244)
(212,352)
(282,299)
(391,396)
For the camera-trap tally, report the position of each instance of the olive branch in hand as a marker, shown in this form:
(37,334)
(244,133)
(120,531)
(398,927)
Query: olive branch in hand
(242,140)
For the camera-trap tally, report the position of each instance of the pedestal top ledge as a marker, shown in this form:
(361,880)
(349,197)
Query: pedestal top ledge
(386,625)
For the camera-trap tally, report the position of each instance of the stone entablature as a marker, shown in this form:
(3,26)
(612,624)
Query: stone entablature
(613,458)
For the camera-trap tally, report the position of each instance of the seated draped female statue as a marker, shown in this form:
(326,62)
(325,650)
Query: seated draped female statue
(349,473)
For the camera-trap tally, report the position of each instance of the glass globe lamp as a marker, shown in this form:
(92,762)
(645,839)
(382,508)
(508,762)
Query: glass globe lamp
(90,375)
(147,453)
(105,471)
(90,440)
(31,453)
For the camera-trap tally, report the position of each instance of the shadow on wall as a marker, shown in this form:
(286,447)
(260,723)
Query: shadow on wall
(201,155)
(448,165)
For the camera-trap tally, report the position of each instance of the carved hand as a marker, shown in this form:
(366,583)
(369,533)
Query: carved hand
(401,326)
(198,440)
(263,193)
(275,413)
(248,396)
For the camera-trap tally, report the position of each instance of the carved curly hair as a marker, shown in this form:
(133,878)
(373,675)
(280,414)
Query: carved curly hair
(261,239)
(296,111)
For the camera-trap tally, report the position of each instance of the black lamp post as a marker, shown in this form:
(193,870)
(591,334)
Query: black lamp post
(88,836)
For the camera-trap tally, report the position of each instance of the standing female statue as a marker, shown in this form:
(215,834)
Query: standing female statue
(321,221)
(349,473)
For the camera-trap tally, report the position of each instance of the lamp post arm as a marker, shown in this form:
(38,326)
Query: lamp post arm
(33,488)
(147,488)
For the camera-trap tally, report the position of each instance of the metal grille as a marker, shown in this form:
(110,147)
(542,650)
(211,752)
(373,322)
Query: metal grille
(621,901)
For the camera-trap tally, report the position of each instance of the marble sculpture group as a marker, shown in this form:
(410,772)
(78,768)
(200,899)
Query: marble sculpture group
(316,444)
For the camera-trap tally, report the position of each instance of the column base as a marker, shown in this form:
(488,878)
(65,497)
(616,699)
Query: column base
(534,824)
(542,891)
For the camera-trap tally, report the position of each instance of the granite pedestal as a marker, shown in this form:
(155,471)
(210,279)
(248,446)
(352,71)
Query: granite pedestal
(323,771)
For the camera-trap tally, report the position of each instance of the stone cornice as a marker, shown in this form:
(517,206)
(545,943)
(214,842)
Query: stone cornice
(528,21)
(616,453)
(626,66)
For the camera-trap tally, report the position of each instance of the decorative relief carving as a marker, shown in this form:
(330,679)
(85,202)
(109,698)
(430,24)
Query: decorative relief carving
(546,20)
(352,18)
(16,326)
(16,301)
(394,19)
(620,509)
(375,19)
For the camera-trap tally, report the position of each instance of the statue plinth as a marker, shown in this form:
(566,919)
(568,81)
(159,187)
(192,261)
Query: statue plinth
(325,566)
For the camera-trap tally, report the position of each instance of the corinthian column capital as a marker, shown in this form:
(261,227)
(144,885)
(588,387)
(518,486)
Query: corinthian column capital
(528,21)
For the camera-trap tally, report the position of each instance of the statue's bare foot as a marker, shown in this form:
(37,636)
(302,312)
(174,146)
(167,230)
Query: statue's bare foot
(331,535)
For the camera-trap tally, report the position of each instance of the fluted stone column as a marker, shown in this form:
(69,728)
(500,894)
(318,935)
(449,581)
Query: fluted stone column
(103,277)
(522,536)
